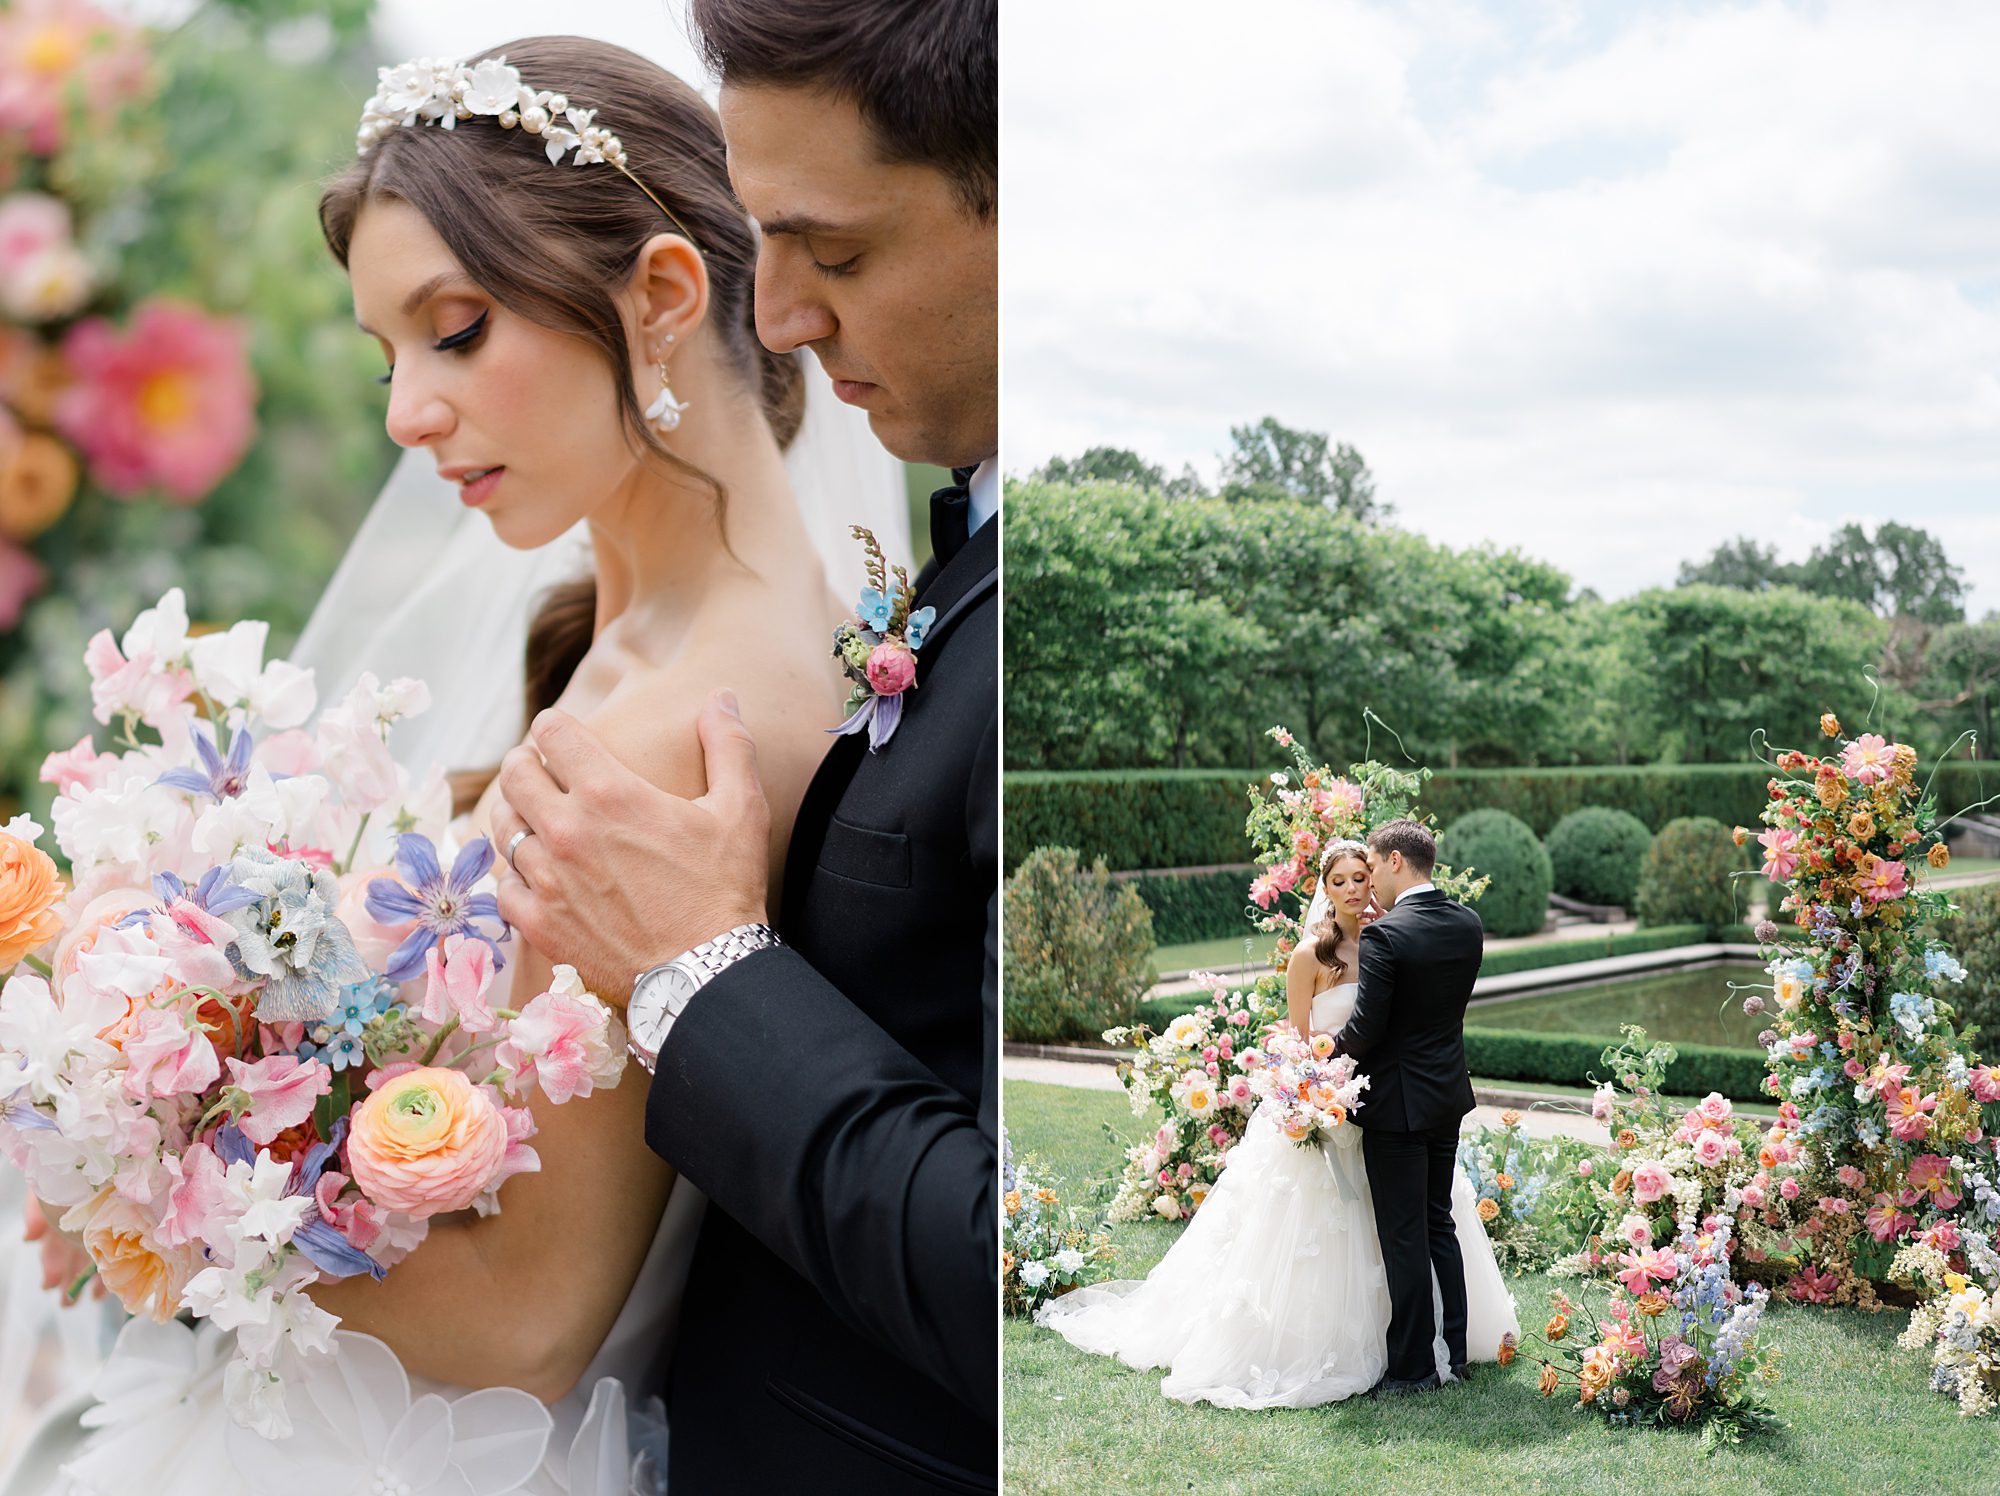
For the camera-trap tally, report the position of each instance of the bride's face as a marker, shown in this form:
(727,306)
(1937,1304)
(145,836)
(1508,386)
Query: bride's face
(521,417)
(1346,884)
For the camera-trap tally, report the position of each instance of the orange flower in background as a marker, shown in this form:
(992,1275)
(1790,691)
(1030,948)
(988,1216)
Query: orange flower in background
(1510,1118)
(1556,1328)
(1740,835)
(1861,825)
(1829,724)
(1507,1347)
(1013,1202)
(29,891)
(1832,789)
(1548,1381)
(1489,1210)
(1938,856)
(1627,1138)
(37,481)
(1621,1182)
(1505,1181)
(1651,1303)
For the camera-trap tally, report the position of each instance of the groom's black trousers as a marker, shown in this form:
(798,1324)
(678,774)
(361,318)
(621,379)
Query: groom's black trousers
(1410,1176)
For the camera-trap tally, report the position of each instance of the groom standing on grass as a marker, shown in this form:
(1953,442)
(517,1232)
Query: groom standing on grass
(832,1092)
(1407,1031)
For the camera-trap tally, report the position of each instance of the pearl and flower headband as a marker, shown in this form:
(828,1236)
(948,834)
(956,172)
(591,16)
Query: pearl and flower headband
(430,92)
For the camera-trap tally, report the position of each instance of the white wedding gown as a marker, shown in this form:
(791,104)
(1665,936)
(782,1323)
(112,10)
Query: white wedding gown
(158,1425)
(1274,1296)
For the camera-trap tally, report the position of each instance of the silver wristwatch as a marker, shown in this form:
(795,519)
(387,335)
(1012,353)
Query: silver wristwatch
(662,994)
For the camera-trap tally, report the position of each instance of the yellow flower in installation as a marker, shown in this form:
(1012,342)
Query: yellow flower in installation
(1938,856)
(1829,724)
(1510,1118)
(1556,1328)
(1548,1381)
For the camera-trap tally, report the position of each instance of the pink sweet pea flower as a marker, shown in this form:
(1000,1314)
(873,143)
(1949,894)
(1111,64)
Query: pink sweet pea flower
(79,768)
(518,1159)
(167,1056)
(169,403)
(1869,759)
(355,1218)
(196,1196)
(280,1089)
(563,1042)
(1781,853)
(460,971)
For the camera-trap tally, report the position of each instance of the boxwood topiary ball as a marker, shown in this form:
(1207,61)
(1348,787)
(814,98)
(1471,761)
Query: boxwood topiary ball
(1502,847)
(1596,853)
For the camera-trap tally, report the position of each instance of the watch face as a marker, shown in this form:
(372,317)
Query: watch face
(678,985)
(648,1009)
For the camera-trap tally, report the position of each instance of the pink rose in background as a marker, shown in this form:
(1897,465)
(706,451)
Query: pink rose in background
(165,1056)
(1834,1205)
(1714,1108)
(1649,1182)
(1753,1194)
(1869,759)
(1601,1102)
(459,974)
(1850,1176)
(282,1089)
(892,669)
(1585,1169)
(1710,1149)
(31,224)
(1789,1189)
(170,403)
(52,49)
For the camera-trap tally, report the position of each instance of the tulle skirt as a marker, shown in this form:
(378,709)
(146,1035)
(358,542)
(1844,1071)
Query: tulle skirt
(1275,1296)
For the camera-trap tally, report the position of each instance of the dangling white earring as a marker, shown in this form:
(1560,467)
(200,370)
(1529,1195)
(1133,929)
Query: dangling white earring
(664,414)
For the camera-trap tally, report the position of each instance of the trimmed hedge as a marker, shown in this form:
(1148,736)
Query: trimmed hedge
(1573,1059)
(1150,818)
(1566,952)
(1501,847)
(1078,953)
(1197,906)
(1596,853)
(1685,878)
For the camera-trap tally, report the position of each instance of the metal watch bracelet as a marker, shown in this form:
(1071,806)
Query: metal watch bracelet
(661,995)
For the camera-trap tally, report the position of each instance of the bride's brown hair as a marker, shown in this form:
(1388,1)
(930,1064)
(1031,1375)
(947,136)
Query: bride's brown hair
(556,245)
(1326,934)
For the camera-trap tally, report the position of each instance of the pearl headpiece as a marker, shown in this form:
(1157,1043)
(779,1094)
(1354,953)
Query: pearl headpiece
(430,92)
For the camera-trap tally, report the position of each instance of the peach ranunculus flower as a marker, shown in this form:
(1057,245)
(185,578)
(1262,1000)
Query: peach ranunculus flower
(148,1278)
(30,888)
(169,403)
(426,1142)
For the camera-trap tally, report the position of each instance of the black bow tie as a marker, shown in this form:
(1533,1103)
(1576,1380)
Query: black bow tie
(951,516)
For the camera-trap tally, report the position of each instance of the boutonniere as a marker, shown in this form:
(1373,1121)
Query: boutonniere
(877,647)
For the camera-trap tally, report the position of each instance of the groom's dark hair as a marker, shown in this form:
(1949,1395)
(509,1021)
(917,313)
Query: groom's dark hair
(924,73)
(1412,838)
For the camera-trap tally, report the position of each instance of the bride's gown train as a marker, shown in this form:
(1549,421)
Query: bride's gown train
(1275,1296)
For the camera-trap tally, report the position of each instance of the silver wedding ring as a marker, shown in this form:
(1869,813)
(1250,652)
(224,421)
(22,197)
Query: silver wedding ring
(514,845)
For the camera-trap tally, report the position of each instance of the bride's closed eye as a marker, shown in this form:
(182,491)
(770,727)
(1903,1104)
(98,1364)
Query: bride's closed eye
(457,342)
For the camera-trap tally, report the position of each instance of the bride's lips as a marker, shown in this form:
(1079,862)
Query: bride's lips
(478,490)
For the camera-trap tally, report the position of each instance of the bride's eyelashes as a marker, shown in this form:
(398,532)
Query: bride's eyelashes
(457,342)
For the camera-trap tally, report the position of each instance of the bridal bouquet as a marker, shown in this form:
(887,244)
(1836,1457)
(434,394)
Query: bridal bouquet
(252,1047)
(1305,1088)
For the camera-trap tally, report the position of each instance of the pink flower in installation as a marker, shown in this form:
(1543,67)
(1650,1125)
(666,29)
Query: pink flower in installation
(54,52)
(1869,759)
(169,403)
(1781,853)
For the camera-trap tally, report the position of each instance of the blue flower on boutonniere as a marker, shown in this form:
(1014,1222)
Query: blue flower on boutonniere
(877,648)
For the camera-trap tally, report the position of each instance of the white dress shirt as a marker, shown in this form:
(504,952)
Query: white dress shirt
(1424,887)
(982,495)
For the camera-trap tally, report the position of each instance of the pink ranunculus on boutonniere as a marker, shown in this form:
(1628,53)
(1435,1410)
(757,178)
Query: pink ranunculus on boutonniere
(877,647)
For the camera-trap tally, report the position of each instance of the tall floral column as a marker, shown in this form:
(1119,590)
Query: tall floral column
(1887,1118)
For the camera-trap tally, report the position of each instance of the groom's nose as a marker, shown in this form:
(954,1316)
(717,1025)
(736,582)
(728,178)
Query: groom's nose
(791,302)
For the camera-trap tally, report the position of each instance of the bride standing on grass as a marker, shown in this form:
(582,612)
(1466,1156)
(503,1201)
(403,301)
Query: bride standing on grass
(1275,1295)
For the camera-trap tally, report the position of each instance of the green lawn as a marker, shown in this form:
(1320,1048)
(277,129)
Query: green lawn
(1210,955)
(1858,1416)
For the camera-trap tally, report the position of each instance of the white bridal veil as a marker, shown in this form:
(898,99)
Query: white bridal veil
(428,590)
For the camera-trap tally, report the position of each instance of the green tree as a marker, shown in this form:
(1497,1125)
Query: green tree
(1740,563)
(1120,465)
(1269,460)
(1900,572)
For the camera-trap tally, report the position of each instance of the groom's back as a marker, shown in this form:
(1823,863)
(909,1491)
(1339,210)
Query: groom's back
(1424,1080)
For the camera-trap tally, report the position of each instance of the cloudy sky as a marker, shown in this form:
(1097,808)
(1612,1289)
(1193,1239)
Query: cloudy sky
(1608,282)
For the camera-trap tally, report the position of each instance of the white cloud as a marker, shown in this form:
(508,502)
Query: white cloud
(1613,284)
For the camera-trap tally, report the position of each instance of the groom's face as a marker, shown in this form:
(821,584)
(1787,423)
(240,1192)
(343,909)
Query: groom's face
(875,266)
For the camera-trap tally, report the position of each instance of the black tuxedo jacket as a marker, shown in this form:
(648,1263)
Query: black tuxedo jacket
(835,1100)
(1407,1030)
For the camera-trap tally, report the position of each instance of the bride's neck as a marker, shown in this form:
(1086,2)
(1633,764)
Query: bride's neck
(662,543)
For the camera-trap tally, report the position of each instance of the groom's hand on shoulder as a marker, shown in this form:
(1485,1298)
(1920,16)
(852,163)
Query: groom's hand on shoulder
(617,875)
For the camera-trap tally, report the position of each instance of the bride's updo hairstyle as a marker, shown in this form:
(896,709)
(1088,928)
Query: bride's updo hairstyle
(556,246)
(1326,934)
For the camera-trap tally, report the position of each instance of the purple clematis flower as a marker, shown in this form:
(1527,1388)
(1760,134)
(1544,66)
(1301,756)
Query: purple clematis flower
(441,904)
(224,780)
